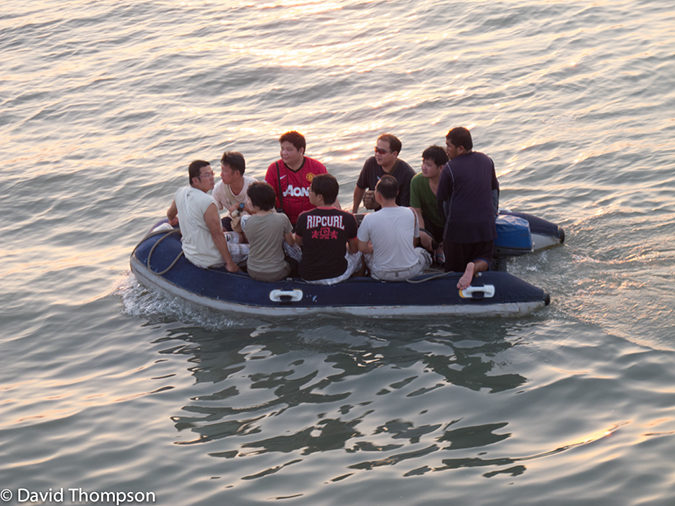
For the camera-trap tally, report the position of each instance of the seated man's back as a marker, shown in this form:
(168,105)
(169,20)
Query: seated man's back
(388,237)
(391,230)
(328,236)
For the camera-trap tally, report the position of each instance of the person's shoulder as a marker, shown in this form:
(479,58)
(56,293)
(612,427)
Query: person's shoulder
(477,158)
(370,163)
(303,216)
(219,187)
(368,217)
(475,155)
(341,212)
(248,180)
(418,183)
(418,179)
(405,170)
(349,218)
(313,164)
(408,170)
(201,198)
(398,211)
(284,219)
(273,167)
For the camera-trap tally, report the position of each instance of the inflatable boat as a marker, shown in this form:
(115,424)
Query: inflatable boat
(158,264)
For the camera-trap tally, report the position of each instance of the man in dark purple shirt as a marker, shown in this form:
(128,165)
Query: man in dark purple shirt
(468,199)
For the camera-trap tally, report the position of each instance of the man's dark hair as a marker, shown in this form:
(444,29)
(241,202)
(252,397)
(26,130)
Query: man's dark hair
(394,143)
(460,136)
(235,160)
(195,169)
(387,186)
(262,195)
(327,186)
(436,154)
(295,138)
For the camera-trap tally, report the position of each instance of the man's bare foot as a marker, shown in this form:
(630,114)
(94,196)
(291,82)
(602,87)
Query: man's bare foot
(467,277)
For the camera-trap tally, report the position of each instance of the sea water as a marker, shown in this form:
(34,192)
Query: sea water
(108,388)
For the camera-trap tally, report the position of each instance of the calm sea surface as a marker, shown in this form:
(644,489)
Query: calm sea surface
(106,387)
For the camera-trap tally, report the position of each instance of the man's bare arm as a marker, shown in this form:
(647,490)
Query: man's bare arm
(212,219)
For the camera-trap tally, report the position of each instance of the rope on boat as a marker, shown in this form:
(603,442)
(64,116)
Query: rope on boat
(166,234)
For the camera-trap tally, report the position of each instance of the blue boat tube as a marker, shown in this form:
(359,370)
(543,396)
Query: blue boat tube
(158,264)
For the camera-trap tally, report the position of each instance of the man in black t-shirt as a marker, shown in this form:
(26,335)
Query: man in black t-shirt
(327,235)
(385,161)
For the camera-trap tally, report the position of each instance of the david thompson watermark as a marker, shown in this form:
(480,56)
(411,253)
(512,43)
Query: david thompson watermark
(75,496)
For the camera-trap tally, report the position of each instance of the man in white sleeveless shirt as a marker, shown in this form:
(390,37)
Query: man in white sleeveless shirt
(196,212)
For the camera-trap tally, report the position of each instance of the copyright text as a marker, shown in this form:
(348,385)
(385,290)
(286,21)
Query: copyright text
(75,496)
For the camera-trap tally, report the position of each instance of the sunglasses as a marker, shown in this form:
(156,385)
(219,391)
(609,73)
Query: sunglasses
(381,151)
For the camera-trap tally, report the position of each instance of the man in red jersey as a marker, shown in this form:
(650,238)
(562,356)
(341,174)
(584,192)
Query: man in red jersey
(292,176)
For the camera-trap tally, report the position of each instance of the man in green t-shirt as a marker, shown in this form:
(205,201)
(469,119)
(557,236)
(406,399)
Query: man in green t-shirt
(423,189)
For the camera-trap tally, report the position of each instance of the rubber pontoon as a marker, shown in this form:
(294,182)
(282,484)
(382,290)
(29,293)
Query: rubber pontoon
(494,293)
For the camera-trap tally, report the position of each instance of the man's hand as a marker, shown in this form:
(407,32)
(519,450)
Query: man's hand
(369,201)
(172,214)
(427,241)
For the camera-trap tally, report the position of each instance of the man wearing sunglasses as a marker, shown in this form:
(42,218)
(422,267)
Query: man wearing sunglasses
(385,161)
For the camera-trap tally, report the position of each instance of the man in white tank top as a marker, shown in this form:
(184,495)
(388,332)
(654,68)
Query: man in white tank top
(204,243)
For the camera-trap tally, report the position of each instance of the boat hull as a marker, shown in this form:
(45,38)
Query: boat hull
(491,293)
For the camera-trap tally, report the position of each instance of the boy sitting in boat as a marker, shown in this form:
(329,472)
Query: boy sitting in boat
(266,231)
(195,212)
(388,237)
(328,236)
(423,188)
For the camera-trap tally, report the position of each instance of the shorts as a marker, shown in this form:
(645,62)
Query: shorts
(458,255)
(353,265)
(271,276)
(238,252)
(435,232)
(423,261)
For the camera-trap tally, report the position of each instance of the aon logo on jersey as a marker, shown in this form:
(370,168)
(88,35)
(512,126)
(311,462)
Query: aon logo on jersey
(292,191)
